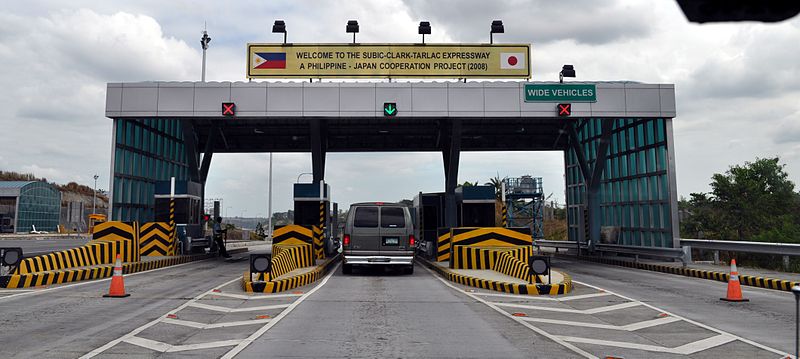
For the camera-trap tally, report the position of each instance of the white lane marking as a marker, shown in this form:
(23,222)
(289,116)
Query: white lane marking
(568,310)
(543,333)
(191,324)
(138,330)
(583,296)
(167,348)
(540,297)
(718,331)
(685,349)
(241,346)
(40,291)
(221,309)
(629,327)
(250,297)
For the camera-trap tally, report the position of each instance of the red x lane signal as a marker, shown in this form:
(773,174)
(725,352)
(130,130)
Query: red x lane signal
(564,109)
(228,109)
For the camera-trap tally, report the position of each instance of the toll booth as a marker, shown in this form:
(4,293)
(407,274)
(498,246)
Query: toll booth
(311,209)
(188,211)
(476,206)
(428,217)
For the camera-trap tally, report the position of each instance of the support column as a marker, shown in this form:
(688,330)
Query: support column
(592,177)
(451,155)
(190,147)
(319,148)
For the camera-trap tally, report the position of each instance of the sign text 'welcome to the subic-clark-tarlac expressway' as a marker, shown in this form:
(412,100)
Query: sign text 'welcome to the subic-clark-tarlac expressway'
(388,60)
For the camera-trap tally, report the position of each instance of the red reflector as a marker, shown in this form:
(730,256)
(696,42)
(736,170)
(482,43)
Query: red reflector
(411,241)
(346,239)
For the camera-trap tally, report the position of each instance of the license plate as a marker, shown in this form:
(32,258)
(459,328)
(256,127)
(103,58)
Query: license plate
(391,241)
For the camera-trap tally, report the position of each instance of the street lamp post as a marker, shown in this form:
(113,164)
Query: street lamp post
(94,194)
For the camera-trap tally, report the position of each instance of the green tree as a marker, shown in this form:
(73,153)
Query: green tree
(755,201)
(497,183)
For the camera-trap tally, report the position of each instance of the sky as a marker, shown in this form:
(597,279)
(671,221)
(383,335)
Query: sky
(737,84)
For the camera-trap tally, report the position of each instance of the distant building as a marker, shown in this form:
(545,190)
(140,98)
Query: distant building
(25,204)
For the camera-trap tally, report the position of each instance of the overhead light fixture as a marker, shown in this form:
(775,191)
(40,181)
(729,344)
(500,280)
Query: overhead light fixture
(497,28)
(352,27)
(280,27)
(566,71)
(424,29)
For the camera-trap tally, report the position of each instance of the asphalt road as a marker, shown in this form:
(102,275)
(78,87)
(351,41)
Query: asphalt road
(198,310)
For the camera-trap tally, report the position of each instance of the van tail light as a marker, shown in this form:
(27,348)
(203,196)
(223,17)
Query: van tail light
(346,240)
(411,240)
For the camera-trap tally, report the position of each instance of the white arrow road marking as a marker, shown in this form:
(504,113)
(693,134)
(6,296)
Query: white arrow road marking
(629,327)
(167,348)
(251,297)
(568,310)
(685,349)
(218,308)
(188,323)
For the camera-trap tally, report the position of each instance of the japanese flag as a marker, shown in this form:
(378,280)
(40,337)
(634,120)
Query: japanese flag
(512,60)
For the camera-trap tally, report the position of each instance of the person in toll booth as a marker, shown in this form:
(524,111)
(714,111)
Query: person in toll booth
(218,233)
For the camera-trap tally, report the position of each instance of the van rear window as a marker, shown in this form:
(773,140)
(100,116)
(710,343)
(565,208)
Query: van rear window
(366,217)
(392,217)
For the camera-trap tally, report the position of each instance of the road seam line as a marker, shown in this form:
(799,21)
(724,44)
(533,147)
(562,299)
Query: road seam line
(241,346)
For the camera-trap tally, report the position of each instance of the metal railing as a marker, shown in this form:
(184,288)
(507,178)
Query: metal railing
(684,254)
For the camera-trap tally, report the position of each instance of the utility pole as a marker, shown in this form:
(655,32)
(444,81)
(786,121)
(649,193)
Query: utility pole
(204,43)
(94,194)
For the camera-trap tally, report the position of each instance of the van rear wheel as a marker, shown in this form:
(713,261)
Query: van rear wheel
(347,268)
(409,269)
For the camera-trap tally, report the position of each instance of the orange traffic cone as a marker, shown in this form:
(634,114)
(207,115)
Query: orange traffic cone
(117,289)
(734,289)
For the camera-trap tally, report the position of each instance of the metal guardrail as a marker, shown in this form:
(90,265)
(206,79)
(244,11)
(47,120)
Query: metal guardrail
(684,254)
(786,249)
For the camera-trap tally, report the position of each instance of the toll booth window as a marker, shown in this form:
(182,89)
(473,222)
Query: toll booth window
(392,217)
(366,217)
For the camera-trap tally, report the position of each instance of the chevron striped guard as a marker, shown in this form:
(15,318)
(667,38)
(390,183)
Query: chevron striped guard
(155,239)
(442,244)
(491,236)
(319,242)
(293,234)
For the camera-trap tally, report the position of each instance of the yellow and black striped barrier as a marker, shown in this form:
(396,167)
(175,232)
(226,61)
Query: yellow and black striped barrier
(753,281)
(155,239)
(291,282)
(563,287)
(504,220)
(442,244)
(319,242)
(293,234)
(51,277)
(110,239)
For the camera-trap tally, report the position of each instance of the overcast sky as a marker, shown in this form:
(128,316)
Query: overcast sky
(737,85)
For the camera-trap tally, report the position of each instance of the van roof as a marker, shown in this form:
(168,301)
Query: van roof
(378,204)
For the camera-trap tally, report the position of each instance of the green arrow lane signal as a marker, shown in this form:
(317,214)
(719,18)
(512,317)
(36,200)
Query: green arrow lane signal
(389,109)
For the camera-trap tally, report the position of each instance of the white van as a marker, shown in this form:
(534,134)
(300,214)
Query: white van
(378,233)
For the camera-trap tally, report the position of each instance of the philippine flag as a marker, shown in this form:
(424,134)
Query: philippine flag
(512,61)
(269,60)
